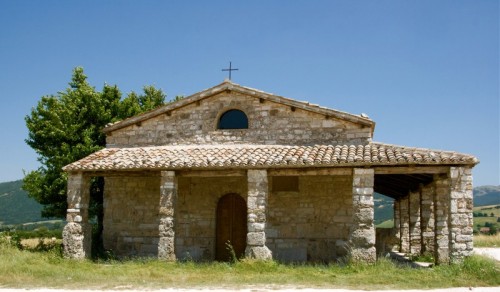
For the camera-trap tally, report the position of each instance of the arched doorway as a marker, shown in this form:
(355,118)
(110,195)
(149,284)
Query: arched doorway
(231,226)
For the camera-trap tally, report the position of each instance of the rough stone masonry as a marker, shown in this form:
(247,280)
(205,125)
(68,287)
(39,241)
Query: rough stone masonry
(305,175)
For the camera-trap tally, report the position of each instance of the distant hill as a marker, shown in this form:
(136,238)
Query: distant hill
(486,195)
(384,208)
(15,205)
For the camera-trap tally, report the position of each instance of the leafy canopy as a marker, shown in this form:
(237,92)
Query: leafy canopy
(66,127)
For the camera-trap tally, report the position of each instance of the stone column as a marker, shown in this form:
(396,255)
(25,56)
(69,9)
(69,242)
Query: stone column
(168,197)
(397,221)
(404,218)
(442,216)
(415,230)
(256,204)
(362,232)
(427,216)
(77,234)
(461,224)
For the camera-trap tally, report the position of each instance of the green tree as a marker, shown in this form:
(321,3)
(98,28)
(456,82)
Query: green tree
(66,127)
(135,104)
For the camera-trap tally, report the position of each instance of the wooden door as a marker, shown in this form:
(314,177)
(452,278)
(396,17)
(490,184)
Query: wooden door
(231,226)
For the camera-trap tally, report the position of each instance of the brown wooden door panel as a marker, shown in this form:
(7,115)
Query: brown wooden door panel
(231,226)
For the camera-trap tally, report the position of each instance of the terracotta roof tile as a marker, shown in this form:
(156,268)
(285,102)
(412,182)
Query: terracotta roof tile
(252,156)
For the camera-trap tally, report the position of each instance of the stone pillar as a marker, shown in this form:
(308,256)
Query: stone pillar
(397,221)
(461,224)
(427,217)
(415,230)
(362,232)
(77,234)
(256,204)
(404,218)
(442,216)
(168,197)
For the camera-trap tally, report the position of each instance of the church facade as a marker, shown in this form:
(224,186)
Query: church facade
(233,168)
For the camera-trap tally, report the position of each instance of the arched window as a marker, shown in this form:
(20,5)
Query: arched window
(233,119)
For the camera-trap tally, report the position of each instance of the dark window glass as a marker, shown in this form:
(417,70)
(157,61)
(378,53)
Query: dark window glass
(233,119)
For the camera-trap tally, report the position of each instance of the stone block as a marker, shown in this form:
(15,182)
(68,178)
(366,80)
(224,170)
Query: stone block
(442,256)
(463,238)
(166,211)
(271,233)
(363,237)
(363,215)
(77,240)
(258,253)
(256,227)
(252,202)
(166,249)
(256,238)
(363,255)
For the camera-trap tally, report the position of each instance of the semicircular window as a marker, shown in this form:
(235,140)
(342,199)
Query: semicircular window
(233,119)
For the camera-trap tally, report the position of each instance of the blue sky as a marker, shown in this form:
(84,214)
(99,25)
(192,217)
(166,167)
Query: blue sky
(427,72)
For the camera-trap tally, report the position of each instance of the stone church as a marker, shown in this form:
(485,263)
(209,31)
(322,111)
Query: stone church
(271,178)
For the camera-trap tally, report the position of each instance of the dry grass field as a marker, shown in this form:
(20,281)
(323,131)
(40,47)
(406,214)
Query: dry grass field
(30,269)
(33,243)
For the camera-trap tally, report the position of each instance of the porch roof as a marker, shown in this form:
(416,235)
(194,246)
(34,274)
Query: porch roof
(244,156)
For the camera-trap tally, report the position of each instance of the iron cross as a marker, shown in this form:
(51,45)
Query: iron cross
(230,69)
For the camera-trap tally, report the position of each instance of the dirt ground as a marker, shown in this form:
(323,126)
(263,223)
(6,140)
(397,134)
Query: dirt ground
(491,252)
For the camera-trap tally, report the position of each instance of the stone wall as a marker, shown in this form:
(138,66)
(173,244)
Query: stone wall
(269,123)
(195,224)
(362,232)
(131,215)
(77,234)
(442,218)
(313,223)
(461,221)
(415,230)
(404,224)
(427,220)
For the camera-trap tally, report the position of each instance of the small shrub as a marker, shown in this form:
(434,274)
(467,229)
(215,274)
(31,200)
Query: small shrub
(10,239)
(232,254)
(45,244)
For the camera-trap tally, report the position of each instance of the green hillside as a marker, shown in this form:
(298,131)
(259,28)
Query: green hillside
(487,216)
(15,205)
(384,208)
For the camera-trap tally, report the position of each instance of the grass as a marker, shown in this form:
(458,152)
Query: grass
(482,240)
(21,268)
(386,224)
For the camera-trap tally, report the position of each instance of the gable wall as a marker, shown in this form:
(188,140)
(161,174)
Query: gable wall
(269,123)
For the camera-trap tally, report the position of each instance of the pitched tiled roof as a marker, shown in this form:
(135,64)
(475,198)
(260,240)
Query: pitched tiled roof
(262,156)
